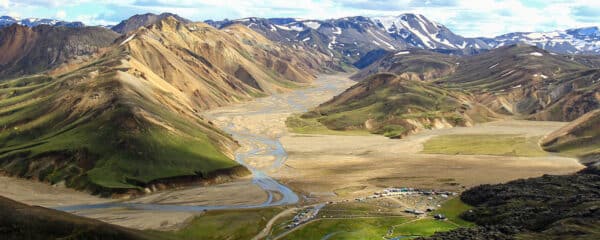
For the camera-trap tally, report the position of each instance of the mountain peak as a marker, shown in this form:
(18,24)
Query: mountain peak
(144,20)
(585,31)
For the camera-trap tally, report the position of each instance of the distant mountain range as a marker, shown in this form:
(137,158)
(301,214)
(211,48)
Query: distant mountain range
(356,36)
(352,37)
(6,21)
(571,41)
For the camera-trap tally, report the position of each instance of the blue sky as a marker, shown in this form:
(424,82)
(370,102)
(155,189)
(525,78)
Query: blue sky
(466,17)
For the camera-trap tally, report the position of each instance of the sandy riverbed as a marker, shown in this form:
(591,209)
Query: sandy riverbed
(240,192)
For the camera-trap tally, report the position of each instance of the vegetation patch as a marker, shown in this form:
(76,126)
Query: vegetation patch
(234,224)
(301,125)
(452,209)
(422,227)
(357,228)
(348,190)
(485,144)
(392,131)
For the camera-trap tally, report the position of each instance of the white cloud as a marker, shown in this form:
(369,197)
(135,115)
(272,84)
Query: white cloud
(61,14)
(4,4)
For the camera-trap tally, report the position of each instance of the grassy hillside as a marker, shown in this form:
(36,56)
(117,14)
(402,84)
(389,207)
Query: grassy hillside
(91,130)
(394,106)
(20,221)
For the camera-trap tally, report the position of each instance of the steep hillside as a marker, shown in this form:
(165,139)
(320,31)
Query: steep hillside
(21,221)
(33,50)
(102,129)
(581,137)
(412,64)
(143,20)
(395,106)
(216,67)
(528,82)
(129,120)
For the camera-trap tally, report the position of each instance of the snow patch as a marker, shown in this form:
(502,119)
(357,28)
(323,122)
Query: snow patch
(332,43)
(540,75)
(297,28)
(283,27)
(402,53)
(337,31)
(537,54)
(313,25)
(127,40)
(390,46)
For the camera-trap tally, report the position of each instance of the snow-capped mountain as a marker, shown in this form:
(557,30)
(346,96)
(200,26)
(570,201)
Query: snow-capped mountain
(353,37)
(349,37)
(571,41)
(32,22)
(420,32)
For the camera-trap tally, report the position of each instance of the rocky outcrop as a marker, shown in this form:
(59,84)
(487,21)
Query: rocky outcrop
(547,207)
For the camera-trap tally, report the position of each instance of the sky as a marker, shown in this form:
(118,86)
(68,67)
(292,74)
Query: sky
(470,18)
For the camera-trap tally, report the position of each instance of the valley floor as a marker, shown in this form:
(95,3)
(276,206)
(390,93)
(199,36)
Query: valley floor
(321,167)
(348,161)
